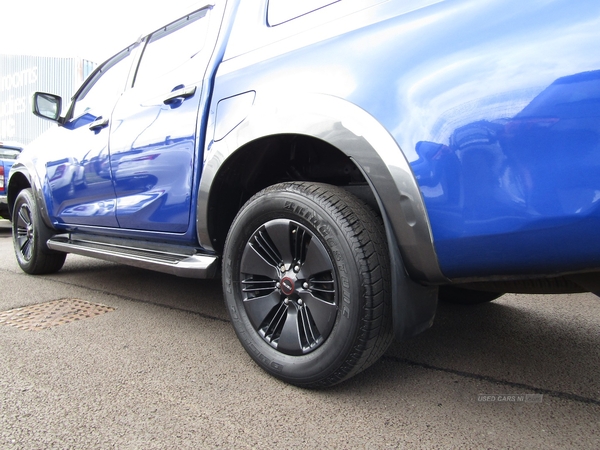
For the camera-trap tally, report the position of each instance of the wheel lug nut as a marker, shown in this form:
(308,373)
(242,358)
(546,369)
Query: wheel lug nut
(286,301)
(297,269)
(283,268)
(278,285)
(305,285)
(300,302)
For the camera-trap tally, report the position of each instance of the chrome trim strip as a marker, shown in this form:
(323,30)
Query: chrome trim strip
(189,266)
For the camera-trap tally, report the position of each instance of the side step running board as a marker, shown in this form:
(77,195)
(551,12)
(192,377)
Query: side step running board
(189,265)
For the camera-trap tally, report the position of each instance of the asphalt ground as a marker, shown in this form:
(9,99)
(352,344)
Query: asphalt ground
(164,370)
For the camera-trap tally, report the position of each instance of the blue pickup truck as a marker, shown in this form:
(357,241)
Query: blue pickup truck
(341,165)
(8,154)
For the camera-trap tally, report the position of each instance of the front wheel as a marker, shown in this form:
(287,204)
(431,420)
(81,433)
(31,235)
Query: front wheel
(307,285)
(30,235)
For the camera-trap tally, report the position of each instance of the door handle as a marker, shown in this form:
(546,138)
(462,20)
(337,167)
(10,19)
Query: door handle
(180,95)
(98,124)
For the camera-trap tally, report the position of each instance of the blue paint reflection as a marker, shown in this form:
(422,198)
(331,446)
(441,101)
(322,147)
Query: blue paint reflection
(516,184)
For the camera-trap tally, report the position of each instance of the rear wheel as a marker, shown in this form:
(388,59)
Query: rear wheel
(30,235)
(306,282)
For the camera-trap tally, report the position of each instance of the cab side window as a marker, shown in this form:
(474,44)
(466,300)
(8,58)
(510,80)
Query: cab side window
(281,11)
(101,92)
(171,48)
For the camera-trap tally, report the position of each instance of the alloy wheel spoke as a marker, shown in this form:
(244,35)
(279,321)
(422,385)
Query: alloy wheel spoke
(317,260)
(289,340)
(279,232)
(25,248)
(254,263)
(24,217)
(310,333)
(300,239)
(21,232)
(323,313)
(258,308)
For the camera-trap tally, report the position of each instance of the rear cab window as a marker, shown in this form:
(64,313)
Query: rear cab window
(262,23)
(281,11)
(171,49)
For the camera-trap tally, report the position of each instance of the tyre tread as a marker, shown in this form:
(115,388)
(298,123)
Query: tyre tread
(364,228)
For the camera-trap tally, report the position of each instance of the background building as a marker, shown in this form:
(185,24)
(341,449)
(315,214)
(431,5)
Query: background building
(21,76)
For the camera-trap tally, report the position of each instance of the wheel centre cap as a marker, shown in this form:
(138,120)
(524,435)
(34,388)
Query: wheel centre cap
(288,286)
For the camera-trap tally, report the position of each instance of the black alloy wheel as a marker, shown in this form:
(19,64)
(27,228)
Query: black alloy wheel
(30,235)
(306,281)
(289,287)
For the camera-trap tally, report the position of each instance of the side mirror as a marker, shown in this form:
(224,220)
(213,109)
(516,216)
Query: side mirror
(47,106)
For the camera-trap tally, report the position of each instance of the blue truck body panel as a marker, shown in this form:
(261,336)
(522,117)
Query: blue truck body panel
(494,104)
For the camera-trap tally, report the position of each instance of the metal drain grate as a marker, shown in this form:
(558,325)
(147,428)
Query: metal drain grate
(51,314)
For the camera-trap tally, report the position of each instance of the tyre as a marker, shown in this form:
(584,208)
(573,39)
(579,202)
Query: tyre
(30,235)
(306,280)
(451,294)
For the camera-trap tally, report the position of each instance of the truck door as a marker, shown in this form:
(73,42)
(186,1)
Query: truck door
(78,172)
(154,136)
